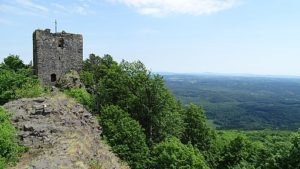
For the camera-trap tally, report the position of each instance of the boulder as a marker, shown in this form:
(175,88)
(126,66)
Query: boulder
(70,80)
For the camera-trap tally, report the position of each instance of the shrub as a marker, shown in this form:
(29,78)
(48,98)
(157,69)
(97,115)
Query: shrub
(9,149)
(87,79)
(2,162)
(18,84)
(32,89)
(82,96)
(95,165)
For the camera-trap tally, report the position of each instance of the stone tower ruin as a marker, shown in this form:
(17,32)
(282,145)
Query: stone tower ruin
(54,54)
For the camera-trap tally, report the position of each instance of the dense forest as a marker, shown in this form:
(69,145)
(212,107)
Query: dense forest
(236,102)
(145,124)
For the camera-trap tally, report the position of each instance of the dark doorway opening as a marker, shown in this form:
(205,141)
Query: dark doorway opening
(53,77)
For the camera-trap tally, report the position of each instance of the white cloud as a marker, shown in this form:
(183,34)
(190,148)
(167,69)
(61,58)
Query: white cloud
(23,7)
(60,7)
(81,10)
(32,6)
(43,8)
(78,8)
(84,8)
(166,7)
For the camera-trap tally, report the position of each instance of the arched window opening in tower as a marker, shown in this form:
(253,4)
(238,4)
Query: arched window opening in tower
(53,77)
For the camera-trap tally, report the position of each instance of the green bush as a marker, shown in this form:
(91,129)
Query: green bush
(82,96)
(9,149)
(95,165)
(87,79)
(172,154)
(2,162)
(17,80)
(29,90)
(14,85)
(125,136)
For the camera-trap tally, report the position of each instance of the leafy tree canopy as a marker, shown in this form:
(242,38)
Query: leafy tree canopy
(172,154)
(125,136)
(137,91)
(13,62)
(17,80)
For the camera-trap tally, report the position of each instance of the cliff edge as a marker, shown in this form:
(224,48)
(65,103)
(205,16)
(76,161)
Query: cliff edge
(59,133)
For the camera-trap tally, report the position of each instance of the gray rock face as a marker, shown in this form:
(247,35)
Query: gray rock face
(60,133)
(54,54)
(70,80)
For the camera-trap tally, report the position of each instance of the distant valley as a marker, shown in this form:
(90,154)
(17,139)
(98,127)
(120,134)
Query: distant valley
(241,102)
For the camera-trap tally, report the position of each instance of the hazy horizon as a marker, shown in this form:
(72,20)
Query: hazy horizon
(228,74)
(182,36)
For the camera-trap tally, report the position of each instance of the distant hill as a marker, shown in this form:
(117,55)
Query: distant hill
(242,102)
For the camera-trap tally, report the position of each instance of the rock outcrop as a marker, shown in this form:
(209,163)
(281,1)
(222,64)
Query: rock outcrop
(70,80)
(60,133)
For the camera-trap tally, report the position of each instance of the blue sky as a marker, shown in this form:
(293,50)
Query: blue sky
(185,36)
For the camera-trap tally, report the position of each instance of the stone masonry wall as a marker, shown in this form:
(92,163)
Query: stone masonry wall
(54,54)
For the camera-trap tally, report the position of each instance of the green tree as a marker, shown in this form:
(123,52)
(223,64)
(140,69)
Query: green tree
(13,62)
(274,153)
(87,78)
(92,62)
(293,160)
(17,80)
(98,66)
(196,130)
(125,136)
(157,110)
(172,154)
(237,151)
(18,84)
(134,89)
(198,133)
(113,88)
(152,103)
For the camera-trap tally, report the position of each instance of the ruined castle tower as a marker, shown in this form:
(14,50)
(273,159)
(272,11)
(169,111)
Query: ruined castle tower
(54,54)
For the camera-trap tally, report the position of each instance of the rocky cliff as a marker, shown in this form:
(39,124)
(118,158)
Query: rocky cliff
(60,133)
